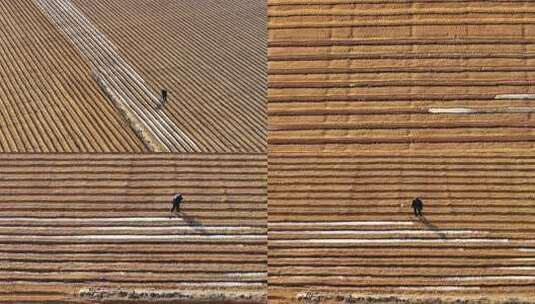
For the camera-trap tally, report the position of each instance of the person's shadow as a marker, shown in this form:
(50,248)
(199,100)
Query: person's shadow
(192,222)
(433,227)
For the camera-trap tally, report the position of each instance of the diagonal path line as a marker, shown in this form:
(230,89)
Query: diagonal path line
(118,79)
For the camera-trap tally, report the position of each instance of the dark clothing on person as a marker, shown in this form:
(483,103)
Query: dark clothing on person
(164,96)
(177,200)
(417,206)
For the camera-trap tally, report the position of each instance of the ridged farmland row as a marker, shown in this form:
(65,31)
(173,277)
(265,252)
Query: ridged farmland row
(75,221)
(347,75)
(213,64)
(342,222)
(48,101)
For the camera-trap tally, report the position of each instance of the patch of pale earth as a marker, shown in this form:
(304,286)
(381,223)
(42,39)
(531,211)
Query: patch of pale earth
(523,259)
(451,110)
(481,111)
(371,232)
(171,228)
(246,274)
(360,241)
(441,288)
(360,223)
(483,278)
(138,237)
(515,96)
(224,284)
(93,219)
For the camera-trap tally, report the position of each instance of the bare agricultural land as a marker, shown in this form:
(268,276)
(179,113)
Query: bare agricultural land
(84,227)
(209,55)
(393,75)
(372,103)
(48,100)
(341,224)
(85,76)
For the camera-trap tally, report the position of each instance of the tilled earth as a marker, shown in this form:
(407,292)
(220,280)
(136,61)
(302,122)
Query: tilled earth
(343,223)
(356,76)
(72,222)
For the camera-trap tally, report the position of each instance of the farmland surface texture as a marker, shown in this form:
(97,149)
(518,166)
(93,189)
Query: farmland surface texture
(391,75)
(211,58)
(48,100)
(342,222)
(71,222)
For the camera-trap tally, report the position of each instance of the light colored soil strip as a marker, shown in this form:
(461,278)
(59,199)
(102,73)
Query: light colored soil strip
(437,288)
(95,219)
(480,111)
(359,232)
(483,278)
(338,223)
(136,237)
(515,96)
(118,79)
(384,241)
(526,249)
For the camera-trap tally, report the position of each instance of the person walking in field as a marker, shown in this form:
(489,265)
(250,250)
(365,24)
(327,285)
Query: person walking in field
(163,97)
(417,206)
(176,201)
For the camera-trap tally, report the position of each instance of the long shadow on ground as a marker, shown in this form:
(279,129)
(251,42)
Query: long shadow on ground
(433,228)
(192,222)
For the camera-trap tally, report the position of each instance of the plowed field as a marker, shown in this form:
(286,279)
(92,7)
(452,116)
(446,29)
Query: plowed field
(85,76)
(392,75)
(342,222)
(210,56)
(48,101)
(70,222)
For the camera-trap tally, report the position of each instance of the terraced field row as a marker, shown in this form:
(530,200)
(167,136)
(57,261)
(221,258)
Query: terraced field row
(212,60)
(391,75)
(48,101)
(69,222)
(343,222)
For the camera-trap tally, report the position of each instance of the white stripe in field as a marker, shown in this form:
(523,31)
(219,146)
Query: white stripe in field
(184,228)
(517,268)
(223,284)
(484,278)
(441,288)
(118,78)
(451,110)
(93,219)
(526,249)
(481,111)
(515,96)
(136,237)
(206,229)
(359,223)
(371,232)
(246,274)
(384,241)
(523,259)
